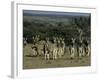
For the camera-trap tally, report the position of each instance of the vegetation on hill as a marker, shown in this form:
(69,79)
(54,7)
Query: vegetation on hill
(47,26)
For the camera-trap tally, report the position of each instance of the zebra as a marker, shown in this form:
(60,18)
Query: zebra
(34,51)
(81,48)
(61,47)
(72,55)
(88,50)
(46,51)
(72,50)
(25,41)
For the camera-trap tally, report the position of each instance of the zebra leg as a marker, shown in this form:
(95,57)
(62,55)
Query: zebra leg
(48,57)
(72,55)
(45,55)
(88,53)
(80,54)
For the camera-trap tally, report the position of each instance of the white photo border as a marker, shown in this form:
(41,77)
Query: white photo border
(17,44)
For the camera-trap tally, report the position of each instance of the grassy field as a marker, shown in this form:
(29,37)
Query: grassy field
(30,62)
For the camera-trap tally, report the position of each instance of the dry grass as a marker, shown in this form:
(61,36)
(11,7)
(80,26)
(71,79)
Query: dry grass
(30,62)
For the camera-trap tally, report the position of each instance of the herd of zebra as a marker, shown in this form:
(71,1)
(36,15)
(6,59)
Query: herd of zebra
(56,48)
